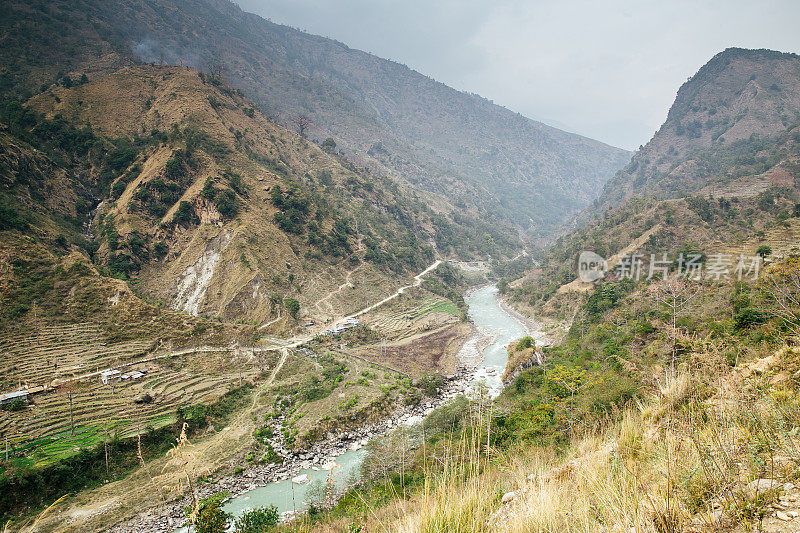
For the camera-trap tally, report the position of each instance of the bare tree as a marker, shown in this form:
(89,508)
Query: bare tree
(676,295)
(70,388)
(303,123)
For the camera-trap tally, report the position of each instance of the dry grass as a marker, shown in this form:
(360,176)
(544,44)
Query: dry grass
(679,461)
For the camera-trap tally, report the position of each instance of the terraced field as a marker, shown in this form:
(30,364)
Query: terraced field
(783,240)
(101,411)
(43,431)
(60,352)
(399,321)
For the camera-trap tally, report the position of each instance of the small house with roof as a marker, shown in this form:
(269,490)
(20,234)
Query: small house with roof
(10,397)
(110,376)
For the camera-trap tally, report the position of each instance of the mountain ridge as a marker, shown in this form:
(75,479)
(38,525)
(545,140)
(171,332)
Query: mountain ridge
(736,98)
(721,175)
(380,112)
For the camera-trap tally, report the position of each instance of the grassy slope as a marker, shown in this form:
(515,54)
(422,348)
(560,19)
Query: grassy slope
(486,160)
(67,312)
(259,256)
(673,412)
(642,444)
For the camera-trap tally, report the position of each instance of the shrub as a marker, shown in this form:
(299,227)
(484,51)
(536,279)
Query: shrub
(227,203)
(236,183)
(10,218)
(211,518)
(118,188)
(17,311)
(209,192)
(174,168)
(431,384)
(644,328)
(701,207)
(525,342)
(292,306)
(16,405)
(257,520)
(688,324)
(185,214)
(160,249)
(748,317)
(329,145)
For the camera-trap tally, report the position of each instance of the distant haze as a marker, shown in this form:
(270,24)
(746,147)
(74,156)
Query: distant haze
(609,72)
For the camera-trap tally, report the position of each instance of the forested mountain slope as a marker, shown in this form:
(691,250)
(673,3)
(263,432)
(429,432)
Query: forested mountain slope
(486,158)
(728,120)
(722,175)
(212,209)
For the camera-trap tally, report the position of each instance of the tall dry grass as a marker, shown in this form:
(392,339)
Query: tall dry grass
(680,459)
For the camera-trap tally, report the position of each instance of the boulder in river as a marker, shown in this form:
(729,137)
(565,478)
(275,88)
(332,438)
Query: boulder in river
(301,479)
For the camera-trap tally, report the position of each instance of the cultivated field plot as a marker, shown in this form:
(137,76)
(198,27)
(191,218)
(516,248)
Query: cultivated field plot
(411,313)
(784,241)
(37,357)
(43,430)
(421,354)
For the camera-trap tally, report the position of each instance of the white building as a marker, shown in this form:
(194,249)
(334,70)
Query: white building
(110,376)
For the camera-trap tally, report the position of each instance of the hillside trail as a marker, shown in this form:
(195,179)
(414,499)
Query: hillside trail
(205,454)
(244,417)
(262,326)
(282,344)
(347,282)
(417,282)
(284,355)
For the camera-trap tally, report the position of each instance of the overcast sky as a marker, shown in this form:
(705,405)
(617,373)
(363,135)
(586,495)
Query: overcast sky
(608,70)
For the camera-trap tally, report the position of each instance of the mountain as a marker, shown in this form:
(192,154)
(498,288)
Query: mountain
(718,184)
(721,175)
(212,209)
(727,121)
(381,113)
(154,222)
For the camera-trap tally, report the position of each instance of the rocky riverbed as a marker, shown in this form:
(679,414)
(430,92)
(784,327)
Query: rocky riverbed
(496,324)
(168,517)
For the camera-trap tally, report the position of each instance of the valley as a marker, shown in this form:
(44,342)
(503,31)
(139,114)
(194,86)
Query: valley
(215,452)
(253,280)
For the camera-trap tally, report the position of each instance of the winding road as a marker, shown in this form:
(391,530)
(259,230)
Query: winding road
(417,283)
(284,345)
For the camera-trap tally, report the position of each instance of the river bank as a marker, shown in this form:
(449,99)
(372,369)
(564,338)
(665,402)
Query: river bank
(482,358)
(168,517)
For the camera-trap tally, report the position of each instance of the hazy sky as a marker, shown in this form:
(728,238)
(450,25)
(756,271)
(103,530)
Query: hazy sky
(608,70)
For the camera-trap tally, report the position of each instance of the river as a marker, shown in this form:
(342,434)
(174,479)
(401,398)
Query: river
(492,320)
(489,317)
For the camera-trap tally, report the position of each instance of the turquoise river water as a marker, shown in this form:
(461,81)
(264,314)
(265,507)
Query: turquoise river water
(487,314)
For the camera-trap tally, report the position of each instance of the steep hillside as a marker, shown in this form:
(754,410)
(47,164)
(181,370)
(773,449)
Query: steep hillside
(485,158)
(669,401)
(218,211)
(49,173)
(722,175)
(728,120)
(153,222)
